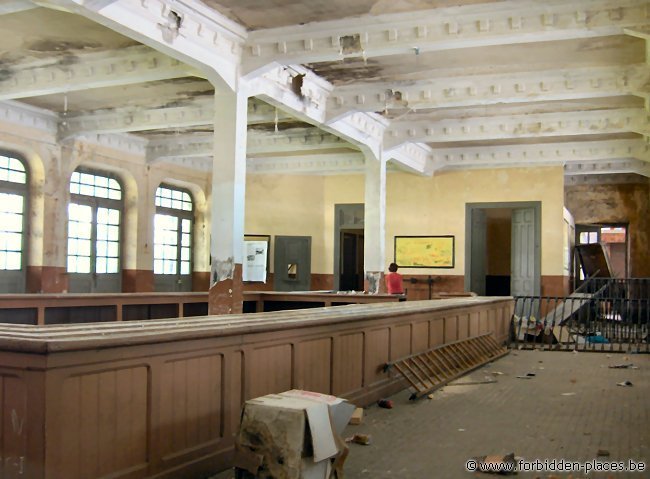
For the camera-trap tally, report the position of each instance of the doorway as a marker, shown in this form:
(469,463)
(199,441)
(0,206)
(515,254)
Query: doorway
(502,248)
(348,247)
(351,267)
(614,239)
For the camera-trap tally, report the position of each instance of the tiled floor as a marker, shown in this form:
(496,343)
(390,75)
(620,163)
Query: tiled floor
(570,409)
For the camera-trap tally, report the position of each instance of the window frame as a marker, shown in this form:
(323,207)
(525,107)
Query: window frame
(181,214)
(96,202)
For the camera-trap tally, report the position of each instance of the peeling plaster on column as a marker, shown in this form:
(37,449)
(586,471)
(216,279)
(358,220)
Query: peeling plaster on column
(222,270)
(374,281)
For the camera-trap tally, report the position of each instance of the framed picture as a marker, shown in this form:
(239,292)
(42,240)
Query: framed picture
(257,256)
(424,251)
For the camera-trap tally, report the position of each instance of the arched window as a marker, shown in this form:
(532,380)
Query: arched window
(172,253)
(13,206)
(94,218)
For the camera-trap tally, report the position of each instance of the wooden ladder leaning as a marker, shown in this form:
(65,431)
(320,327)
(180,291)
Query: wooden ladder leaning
(436,367)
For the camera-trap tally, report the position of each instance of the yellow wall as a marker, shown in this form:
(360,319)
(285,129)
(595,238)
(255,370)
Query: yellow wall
(287,205)
(304,205)
(436,206)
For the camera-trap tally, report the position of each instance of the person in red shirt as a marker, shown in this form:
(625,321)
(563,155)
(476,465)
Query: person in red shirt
(394,280)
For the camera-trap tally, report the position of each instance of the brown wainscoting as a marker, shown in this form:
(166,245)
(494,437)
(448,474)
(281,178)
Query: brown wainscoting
(322,282)
(555,286)
(200,281)
(163,398)
(268,286)
(46,279)
(441,284)
(226,296)
(137,281)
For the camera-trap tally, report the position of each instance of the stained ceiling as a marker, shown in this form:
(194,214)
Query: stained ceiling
(610,65)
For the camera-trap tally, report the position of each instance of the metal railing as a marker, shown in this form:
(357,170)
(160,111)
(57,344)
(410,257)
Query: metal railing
(604,315)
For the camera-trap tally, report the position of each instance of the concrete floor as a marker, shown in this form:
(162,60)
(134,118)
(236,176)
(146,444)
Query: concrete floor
(570,410)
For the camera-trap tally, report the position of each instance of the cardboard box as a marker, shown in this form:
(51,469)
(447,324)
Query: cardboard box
(293,435)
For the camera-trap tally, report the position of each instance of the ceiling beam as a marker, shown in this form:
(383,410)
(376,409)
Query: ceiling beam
(90,70)
(541,154)
(610,167)
(519,126)
(479,90)
(183,29)
(507,22)
(15,6)
(320,163)
(258,142)
(414,157)
(120,120)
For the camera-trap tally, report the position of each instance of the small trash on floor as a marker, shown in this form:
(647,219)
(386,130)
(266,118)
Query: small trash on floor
(487,380)
(623,366)
(430,396)
(497,373)
(568,394)
(502,465)
(363,439)
(573,380)
(625,383)
(385,403)
(527,376)
(602,452)
(461,430)
(357,417)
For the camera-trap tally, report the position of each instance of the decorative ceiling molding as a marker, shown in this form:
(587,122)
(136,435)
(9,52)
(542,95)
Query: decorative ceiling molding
(541,154)
(494,89)
(259,142)
(321,164)
(519,126)
(91,70)
(15,6)
(120,120)
(22,114)
(616,166)
(509,22)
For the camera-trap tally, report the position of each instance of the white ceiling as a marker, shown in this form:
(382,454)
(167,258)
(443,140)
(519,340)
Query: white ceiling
(522,91)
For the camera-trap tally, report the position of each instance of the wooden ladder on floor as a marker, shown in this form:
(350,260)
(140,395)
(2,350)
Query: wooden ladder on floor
(436,367)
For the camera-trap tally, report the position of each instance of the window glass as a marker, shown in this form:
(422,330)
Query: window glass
(12,209)
(172,232)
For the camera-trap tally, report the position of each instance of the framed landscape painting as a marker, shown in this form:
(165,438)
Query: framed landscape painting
(424,251)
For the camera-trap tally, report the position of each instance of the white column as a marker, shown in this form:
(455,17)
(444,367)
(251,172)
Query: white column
(228,197)
(374,252)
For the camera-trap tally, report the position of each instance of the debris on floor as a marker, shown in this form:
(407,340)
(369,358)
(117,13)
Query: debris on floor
(625,384)
(357,416)
(471,382)
(527,376)
(602,453)
(623,366)
(385,403)
(363,439)
(568,394)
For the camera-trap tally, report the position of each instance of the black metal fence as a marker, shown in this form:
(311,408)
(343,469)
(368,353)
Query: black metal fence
(605,314)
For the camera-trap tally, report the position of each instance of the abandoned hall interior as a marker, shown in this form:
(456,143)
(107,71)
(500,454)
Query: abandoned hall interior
(200,201)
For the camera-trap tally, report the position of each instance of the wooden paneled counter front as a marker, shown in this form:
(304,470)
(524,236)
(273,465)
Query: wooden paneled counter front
(162,398)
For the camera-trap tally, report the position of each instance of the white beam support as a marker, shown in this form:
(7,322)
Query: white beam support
(478,90)
(519,126)
(91,70)
(374,228)
(441,29)
(414,157)
(184,29)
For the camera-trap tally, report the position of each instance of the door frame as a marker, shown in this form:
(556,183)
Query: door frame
(469,210)
(341,213)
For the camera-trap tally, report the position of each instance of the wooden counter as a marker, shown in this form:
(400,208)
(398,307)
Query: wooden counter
(162,398)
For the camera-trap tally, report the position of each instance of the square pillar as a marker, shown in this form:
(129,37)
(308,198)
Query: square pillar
(228,198)
(374,230)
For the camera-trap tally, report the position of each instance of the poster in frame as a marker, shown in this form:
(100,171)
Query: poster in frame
(425,251)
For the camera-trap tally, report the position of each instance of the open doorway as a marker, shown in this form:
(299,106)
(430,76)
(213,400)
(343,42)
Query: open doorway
(502,248)
(351,273)
(614,239)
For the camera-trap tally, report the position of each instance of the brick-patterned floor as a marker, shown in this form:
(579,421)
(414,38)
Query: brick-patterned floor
(433,438)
